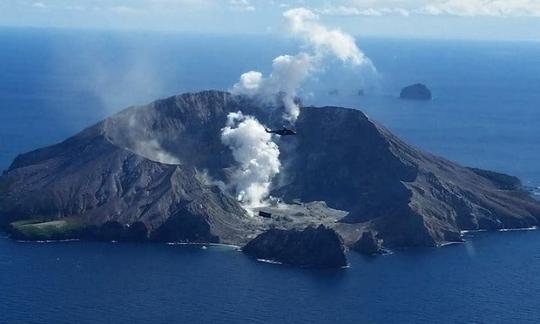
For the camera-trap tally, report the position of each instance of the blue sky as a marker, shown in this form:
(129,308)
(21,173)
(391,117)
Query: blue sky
(472,19)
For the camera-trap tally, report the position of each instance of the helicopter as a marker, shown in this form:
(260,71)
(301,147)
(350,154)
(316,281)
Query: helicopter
(282,132)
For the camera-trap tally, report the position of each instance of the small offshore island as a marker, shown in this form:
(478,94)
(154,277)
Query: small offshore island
(350,184)
(416,91)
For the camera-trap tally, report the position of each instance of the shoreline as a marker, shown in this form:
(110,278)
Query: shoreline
(532,228)
(232,246)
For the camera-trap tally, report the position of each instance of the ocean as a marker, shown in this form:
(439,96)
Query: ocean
(485,113)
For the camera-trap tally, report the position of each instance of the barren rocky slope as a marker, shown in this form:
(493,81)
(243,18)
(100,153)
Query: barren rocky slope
(152,173)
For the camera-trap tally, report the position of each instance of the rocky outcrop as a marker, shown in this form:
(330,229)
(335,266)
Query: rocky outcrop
(368,244)
(154,173)
(502,181)
(416,91)
(319,247)
(109,172)
(409,197)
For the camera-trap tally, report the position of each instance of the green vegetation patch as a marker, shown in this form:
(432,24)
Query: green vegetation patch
(36,230)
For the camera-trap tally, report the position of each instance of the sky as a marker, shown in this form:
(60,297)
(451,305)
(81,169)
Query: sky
(455,19)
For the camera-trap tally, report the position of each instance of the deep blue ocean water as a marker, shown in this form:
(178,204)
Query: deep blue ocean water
(493,278)
(485,113)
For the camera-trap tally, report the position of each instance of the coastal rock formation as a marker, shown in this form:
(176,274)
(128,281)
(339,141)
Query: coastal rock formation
(416,91)
(502,181)
(312,247)
(368,244)
(157,173)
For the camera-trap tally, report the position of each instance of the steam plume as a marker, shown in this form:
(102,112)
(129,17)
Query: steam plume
(145,146)
(153,150)
(253,148)
(289,72)
(256,154)
(305,24)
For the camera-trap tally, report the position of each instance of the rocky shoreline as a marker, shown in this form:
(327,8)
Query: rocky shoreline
(347,184)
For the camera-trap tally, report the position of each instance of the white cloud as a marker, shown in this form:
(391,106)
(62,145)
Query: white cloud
(39,5)
(466,8)
(355,11)
(127,6)
(491,8)
(126,10)
(241,5)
